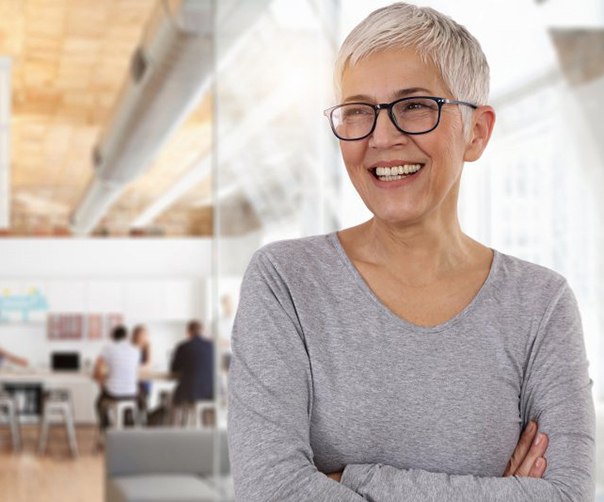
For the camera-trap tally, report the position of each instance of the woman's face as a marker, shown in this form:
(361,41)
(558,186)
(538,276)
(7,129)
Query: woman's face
(430,193)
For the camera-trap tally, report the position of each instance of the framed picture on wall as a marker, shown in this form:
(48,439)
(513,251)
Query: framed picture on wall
(94,326)
(65,326)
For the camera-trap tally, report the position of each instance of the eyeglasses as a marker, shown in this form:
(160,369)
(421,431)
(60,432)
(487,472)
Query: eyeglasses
(414,115)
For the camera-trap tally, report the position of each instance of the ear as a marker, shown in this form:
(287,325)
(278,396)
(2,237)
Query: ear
(483,122)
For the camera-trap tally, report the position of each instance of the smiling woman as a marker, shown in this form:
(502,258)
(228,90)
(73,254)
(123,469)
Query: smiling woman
(400,359)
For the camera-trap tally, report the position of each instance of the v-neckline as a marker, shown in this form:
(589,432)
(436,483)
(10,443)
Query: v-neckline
(362,284)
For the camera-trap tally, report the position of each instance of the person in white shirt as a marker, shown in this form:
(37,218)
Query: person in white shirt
(116,370)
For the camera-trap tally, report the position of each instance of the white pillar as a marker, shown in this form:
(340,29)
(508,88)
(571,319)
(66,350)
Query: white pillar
(5,114)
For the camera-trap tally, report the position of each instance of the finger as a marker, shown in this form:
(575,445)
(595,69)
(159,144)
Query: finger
(538,449)
(538,469)
(522,448)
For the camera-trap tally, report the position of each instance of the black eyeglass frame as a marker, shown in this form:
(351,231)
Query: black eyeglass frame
(388,106)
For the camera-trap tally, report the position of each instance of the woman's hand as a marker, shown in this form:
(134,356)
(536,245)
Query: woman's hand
(527,459)
(336,476)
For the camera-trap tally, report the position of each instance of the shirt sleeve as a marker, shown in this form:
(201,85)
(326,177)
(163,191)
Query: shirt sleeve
(556,392)
(270,398)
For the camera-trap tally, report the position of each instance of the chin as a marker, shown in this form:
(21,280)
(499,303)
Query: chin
(396,216)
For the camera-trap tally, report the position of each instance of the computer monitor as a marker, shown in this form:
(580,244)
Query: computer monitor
(65,361)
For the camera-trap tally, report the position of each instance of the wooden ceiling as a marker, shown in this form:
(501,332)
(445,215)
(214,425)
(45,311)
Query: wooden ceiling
(70,59)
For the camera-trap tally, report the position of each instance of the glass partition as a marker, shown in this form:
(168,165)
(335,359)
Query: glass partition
(276,171)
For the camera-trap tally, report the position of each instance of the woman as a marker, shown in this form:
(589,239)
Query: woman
(140,339)
(400,359)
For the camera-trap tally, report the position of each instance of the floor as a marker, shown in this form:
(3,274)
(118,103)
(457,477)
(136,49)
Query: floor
(54,476)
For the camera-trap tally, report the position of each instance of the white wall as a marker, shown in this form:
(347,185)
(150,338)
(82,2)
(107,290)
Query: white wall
(103,258)
(84,261)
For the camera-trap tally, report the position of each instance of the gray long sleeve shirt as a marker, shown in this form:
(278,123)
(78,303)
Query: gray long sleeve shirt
(324,377)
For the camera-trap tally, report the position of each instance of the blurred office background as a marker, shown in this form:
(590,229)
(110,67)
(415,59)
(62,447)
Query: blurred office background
(225,148)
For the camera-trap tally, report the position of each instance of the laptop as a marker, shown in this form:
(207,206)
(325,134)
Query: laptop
(65,361)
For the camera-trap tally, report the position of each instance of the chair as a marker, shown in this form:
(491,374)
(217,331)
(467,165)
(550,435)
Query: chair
(118,410)
(9,406)
(57,405)
(201,407)
(191,414)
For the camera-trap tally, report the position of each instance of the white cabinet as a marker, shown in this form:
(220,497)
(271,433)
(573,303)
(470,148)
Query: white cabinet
(142,299)
(182,300)
(105,296)
(66,296)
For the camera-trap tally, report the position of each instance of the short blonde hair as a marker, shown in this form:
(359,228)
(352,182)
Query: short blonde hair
(436,37)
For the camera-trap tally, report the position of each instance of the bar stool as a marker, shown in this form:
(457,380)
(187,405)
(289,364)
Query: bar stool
(117,413)
(57,405)
(8,406)
(191,414)
(116,409)
(200,408)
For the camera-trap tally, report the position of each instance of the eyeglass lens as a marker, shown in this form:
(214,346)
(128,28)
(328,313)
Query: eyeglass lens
(416,115)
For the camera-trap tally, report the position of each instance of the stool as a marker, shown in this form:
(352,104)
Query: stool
(117,413)
(200,408)
(191,414)
(57,404)
(9,406)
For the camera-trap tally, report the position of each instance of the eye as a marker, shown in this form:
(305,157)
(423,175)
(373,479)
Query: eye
(356,111)
(418,105)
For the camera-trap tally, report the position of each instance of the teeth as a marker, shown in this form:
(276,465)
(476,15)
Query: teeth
(393,173)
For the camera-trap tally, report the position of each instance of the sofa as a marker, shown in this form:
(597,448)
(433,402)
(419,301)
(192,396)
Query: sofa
(162,464)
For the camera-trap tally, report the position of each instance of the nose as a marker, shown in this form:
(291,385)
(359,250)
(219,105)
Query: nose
(385,133)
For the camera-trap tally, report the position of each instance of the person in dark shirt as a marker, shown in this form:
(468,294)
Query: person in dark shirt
(193,365)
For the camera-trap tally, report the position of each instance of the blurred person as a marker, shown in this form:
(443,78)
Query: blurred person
(193,366)
(140,339)
(116,370)
(400,359)
(9,357)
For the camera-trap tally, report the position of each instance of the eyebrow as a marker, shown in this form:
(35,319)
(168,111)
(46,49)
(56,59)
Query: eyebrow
(398,94)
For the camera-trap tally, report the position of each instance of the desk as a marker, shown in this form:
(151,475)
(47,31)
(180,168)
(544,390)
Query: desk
(83,389)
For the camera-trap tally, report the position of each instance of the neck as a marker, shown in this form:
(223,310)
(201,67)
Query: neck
(418,254)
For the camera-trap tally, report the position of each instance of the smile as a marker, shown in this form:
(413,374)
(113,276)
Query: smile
(396,172)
